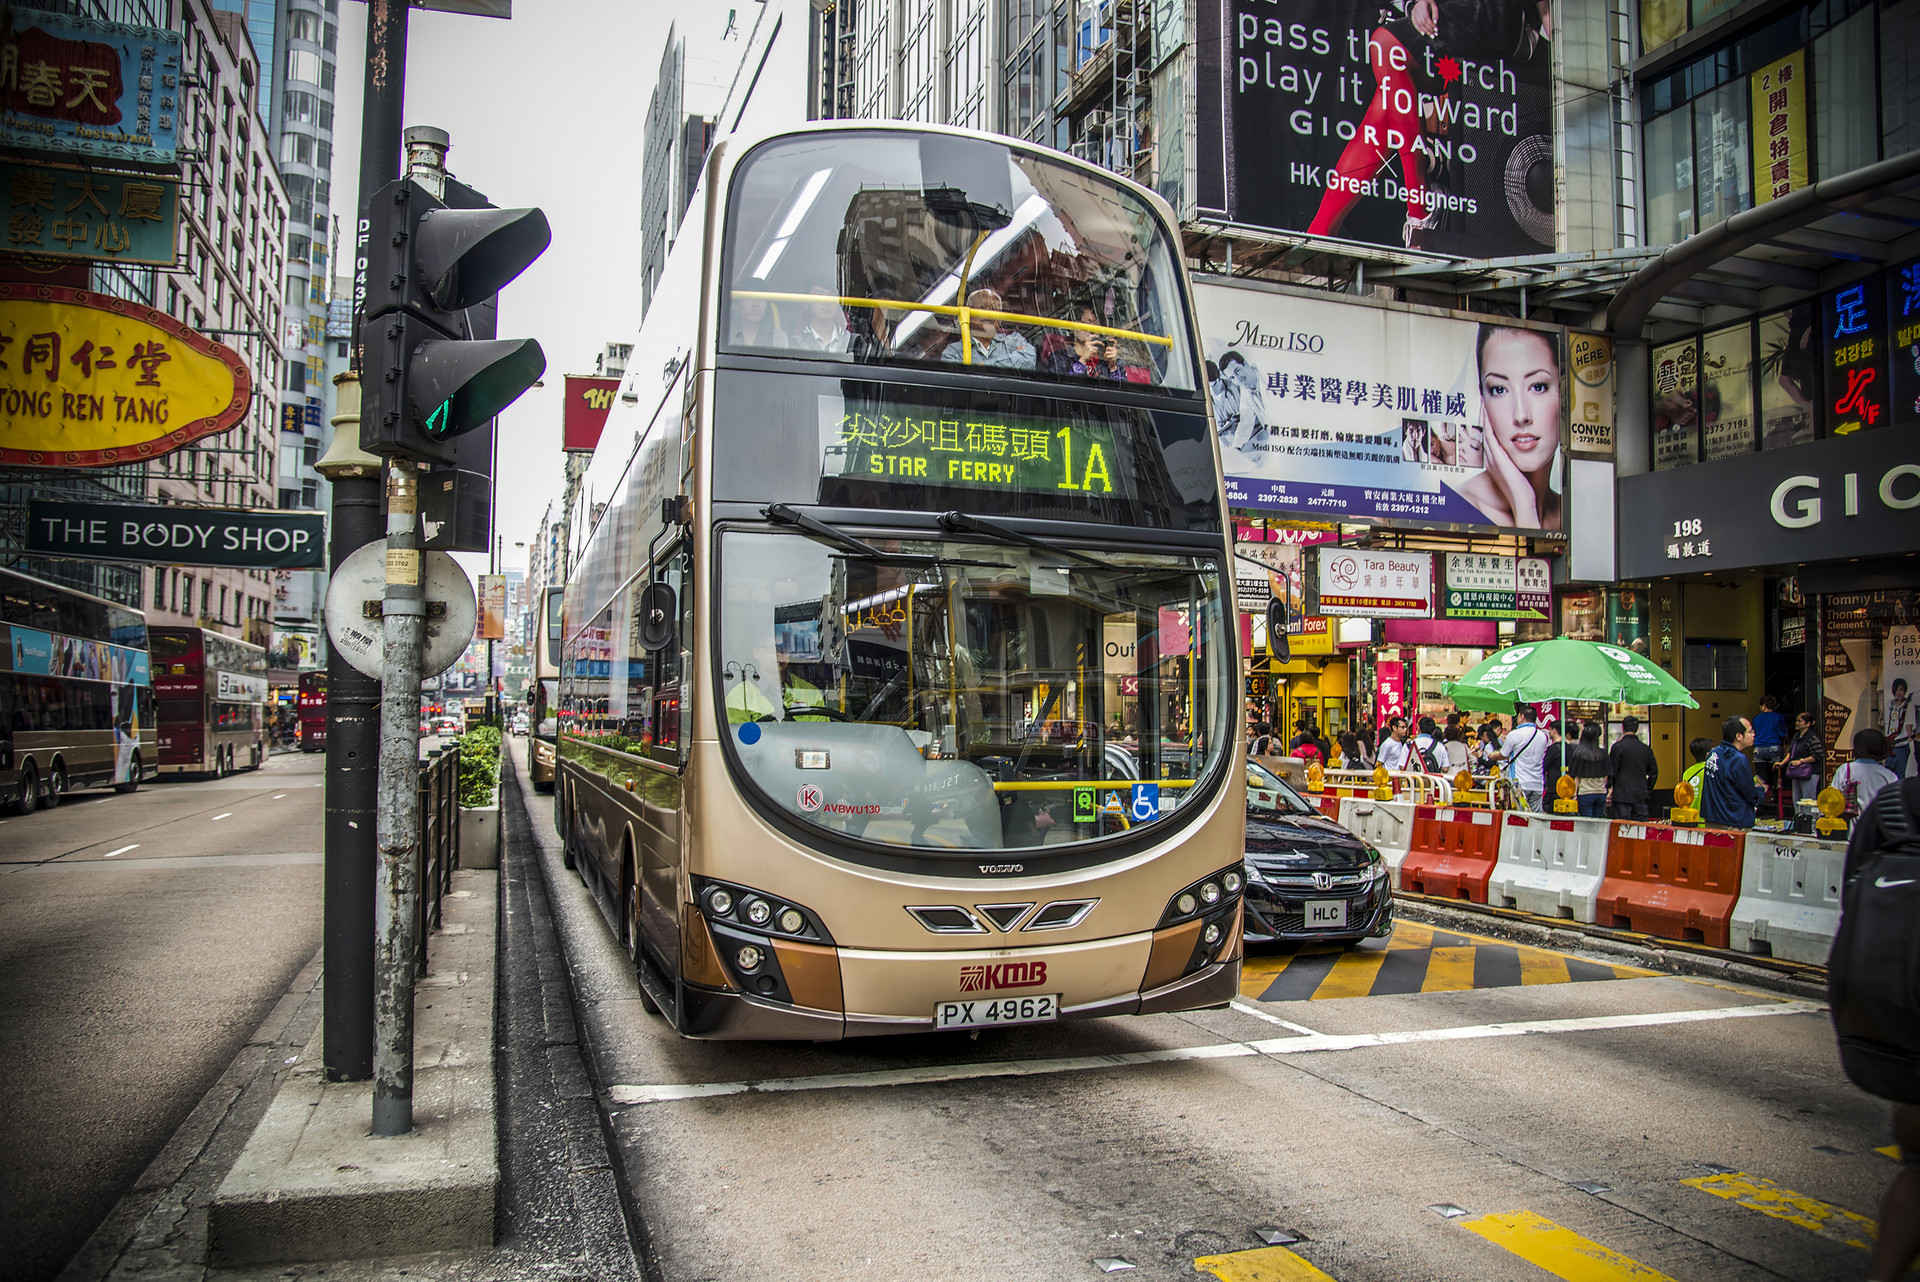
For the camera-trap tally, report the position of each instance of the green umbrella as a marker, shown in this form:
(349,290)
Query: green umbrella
(1541,671)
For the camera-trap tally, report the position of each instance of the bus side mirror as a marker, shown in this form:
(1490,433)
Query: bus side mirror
(1279,648)
(657,614)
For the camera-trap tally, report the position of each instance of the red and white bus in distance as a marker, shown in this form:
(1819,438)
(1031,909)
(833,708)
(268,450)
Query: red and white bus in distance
(211,692)
(312,711)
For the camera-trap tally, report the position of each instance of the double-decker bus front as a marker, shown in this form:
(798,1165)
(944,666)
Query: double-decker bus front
(211,692)
(900,691)
(312,711)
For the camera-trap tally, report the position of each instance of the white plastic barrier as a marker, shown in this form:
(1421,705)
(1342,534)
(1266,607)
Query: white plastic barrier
(1385,825)
(1551,865)
(1408,785)
(1789,897)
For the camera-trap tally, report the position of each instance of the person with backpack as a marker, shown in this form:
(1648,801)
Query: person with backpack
(1873,991)
(1428,753)
(1863,777)
(1632,772)
(1525,753)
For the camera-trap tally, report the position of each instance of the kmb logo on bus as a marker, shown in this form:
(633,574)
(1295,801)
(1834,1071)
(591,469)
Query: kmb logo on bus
(975,979)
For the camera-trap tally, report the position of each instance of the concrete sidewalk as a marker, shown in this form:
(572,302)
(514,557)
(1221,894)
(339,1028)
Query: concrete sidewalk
(476,1192)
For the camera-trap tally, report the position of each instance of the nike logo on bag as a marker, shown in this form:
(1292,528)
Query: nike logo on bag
(1884,884)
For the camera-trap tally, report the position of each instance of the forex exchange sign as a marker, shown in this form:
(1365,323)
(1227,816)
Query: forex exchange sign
(232,538)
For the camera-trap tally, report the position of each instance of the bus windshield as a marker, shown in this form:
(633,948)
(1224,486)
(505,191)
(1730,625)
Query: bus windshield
(883,248)
(970,695)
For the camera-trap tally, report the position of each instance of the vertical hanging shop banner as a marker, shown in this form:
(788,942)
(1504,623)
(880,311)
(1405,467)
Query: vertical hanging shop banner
(1780,128)
(588,402)
(1352,411)
(493,608)
(1390,691)
(1405,124)
(108,90)
(1590,423)
(1855,321)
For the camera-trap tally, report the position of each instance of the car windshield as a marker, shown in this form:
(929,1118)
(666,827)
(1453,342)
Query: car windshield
(1267,792)
(971,696)
(888,248)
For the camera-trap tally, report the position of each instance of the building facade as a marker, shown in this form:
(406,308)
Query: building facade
(701,56)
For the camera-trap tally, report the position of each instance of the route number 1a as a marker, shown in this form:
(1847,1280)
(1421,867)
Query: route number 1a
(1096,469)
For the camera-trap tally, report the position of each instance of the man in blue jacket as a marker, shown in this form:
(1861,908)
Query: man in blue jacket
(1727,795)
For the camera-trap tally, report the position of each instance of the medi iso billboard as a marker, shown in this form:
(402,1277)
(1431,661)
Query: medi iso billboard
(1417,123)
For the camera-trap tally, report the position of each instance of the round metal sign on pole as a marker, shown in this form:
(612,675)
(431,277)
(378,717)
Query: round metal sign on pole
(357,634)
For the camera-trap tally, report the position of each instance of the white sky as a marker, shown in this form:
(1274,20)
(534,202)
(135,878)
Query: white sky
(545,109)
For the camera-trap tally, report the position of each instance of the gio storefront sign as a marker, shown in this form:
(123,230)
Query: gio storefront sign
(228,537)
(1848,496)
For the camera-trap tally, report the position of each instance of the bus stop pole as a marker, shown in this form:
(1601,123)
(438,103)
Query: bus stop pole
(353,699)
(397,892)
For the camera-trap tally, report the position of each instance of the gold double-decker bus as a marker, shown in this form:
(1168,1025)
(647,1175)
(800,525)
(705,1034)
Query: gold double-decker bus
(898,686)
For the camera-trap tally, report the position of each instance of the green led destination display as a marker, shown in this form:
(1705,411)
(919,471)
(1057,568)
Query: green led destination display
(893,442)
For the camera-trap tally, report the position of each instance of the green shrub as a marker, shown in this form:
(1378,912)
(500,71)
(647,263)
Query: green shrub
(479,764)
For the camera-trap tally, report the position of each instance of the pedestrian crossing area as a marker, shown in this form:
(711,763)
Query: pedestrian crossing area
(1559,1251)
(1417,959)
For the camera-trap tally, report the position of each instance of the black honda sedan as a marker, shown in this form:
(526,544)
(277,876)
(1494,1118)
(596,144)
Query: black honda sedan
(1307,877)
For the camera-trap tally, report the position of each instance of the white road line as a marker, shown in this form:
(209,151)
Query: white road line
(1316,1042)
(123,850)
(1245,1009)
(276,796)
(217,818)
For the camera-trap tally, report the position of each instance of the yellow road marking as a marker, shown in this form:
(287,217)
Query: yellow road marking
(1542,968)
(1891,1150)
(1561,1252)
(1256,973)
(1410,934)
(1835,1223)
(1449,971)
(1632,972)
(1267,1264)
(1352,975)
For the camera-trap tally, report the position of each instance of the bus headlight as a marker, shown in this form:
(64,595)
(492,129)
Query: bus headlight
(1212,933)
(720,900)
(1232,882)
(1210,894)
(749,958)
(731,904)
(1186,904)
(759,911)
(792,920)
(1205,897)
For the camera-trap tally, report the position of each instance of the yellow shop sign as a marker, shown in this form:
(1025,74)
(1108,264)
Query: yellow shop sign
(88,380)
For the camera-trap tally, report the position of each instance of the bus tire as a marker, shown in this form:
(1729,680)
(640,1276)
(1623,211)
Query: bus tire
(133,781)
(29,799)
(630,927)
(567,826)
(56,784)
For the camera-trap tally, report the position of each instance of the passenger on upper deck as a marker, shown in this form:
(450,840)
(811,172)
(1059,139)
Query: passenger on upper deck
(992,345)
(1093,355)
(825,326)
(751,328)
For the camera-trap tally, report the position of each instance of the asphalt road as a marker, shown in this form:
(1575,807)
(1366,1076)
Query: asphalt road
(142,939)
(1378,1105)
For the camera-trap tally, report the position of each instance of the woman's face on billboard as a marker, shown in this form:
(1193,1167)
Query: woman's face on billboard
(1520,388)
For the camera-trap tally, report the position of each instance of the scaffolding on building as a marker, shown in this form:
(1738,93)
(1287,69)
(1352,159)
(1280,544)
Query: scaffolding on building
(836,71)
(1108,99)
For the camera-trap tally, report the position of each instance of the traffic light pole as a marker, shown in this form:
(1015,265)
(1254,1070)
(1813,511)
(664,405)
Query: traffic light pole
(353,699)
(397,894)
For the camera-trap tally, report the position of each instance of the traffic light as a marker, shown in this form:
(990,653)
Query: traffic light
(428,378)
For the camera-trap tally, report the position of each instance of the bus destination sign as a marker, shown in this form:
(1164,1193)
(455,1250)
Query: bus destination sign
(910,443)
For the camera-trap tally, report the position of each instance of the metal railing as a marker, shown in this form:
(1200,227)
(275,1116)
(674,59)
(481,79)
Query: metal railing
(439,850)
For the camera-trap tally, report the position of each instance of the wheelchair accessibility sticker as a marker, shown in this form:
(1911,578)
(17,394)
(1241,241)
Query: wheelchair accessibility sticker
(1146,803)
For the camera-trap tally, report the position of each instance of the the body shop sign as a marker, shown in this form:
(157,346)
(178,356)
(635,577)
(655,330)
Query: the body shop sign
(1376,585)
(89,380)
(1483,586)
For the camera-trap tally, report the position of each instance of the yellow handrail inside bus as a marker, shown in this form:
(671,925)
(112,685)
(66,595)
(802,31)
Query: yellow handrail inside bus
(944,309)
(1027,785)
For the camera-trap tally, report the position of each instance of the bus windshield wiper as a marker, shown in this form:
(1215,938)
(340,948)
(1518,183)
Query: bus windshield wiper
(781,514)
(960,522)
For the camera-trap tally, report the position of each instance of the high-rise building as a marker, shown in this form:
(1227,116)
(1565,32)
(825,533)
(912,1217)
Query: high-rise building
(697,67)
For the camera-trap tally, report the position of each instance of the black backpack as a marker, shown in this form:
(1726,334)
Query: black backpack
(1430,755)
(1873,972)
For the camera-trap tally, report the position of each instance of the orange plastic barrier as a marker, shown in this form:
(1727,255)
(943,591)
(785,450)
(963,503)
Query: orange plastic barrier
(1451,853)
(1677,883)
(1330,806)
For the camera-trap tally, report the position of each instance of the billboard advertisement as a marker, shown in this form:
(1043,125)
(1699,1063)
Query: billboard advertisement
(1415,123)
(57,212)
(1368,584)
(1349,411)
(107,90)
(89,380)
(588,400)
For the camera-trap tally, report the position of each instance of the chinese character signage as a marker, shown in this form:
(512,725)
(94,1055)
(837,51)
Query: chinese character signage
(1345,411)
(1378,585)
(1726,392)
(82,87)
(1676,409)
(1484,586)
(87,380)
(920,445)
(1903,310)
(71,213)
(1590,424)
(291,419)
(1390,692)
(1428,127)
(1780,128)
(1265,570)
(588,400)
(1855,325)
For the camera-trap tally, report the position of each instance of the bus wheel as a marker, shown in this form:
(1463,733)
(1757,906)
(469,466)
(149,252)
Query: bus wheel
(29,798)
(56,784)
(133,778)
(632,940)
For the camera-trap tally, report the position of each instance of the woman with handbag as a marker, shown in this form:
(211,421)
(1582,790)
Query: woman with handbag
(1804,756)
